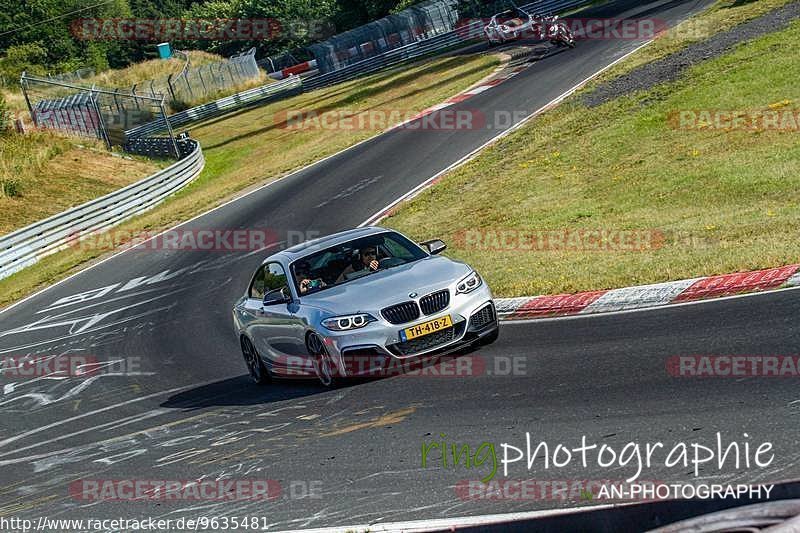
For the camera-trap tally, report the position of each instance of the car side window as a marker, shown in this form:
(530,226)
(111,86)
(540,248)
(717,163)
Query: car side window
(257,286)
(275,278)
(268,277)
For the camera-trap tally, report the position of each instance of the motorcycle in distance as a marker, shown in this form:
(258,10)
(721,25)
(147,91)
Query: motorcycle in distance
(555,30)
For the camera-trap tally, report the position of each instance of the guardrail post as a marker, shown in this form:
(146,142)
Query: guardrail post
(169,129)
(101,123)
(24,83)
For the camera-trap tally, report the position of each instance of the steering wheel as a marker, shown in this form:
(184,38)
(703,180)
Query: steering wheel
(387,262)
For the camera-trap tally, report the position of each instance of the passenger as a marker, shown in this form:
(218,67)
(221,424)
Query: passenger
(302,272)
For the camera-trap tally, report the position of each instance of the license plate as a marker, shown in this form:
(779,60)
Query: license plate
(426,328)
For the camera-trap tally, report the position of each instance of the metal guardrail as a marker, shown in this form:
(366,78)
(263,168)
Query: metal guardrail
(396,56)
(26,246)
(294,85)
(257,95)
(553,6)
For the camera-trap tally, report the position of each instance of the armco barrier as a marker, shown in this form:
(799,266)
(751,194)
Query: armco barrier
(396,56)
(26,246)
(257,95)
(294,85)
(553,6)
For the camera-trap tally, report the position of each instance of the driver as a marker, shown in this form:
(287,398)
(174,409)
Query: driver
(368,259)
(303,273)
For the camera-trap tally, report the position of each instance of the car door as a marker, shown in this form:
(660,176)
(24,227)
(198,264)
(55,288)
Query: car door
(273,327)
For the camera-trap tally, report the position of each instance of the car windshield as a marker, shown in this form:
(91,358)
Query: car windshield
(352,260)
(512,16)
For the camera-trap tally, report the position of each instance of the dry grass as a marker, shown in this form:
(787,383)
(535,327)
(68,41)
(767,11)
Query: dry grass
(150,70)
(51,173)
(249,148)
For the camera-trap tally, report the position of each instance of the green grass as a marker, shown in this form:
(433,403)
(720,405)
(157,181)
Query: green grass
(251,147)
(724,201)
(721,16)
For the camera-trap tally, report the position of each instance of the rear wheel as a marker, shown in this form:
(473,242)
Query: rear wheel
(255,367)
(323,362)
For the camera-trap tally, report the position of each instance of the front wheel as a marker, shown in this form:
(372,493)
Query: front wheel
(255,367)
(322,361)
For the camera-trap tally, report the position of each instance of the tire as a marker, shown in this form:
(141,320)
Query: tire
(322,361)
(490,338)
(255,366)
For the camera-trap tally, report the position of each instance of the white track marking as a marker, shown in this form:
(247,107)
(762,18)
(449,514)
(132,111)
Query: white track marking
(379,215)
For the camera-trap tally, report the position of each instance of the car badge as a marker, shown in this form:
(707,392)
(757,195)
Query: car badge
(412,294)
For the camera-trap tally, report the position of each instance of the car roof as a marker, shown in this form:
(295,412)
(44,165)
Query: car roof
(306,248)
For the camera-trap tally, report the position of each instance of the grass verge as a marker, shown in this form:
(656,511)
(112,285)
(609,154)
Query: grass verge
(721,16)
(251,147)
(42,174)
(713,200)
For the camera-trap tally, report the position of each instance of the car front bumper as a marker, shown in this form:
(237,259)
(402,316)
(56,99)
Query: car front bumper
(373,349)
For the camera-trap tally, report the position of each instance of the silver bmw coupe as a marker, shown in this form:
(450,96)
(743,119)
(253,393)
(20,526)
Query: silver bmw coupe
(358,302)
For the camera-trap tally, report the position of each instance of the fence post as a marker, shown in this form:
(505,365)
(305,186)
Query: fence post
(24,83)
(169,86)
(101,130)
(200,75)
(169,129)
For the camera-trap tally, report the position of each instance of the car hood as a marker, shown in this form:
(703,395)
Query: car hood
(375,291)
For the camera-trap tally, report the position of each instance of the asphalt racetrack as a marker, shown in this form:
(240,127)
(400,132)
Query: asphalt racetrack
(176,403)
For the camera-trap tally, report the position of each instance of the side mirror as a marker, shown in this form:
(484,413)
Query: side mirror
(434,246)
(277,296)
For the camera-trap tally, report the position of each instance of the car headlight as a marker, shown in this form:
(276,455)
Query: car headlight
(469,283)
(347,322)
